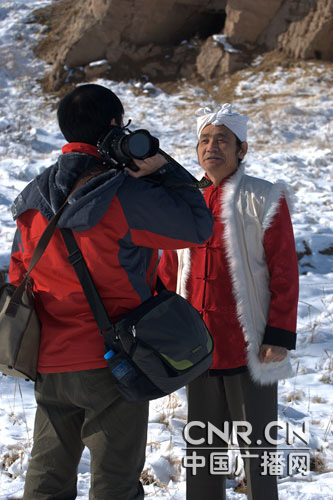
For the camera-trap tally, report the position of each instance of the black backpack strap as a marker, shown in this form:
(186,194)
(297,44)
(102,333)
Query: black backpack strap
(94,300)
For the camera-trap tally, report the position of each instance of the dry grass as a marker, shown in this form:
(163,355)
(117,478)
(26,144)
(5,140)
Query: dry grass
(327,251)
(8,459)
(176,464)
(164,419)
(148,478)
(330,357)
(307,250)
(14,454)
(153,445)
(317,464)
(318,399)
(295,396)
(241,487)
(326,379)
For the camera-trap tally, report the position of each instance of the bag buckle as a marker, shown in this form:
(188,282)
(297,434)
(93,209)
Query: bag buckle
(75,257)
(109,335)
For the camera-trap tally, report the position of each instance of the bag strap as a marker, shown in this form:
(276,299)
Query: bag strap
(38,252)
(42,244)
(94,300)
(203,183)
(45,239)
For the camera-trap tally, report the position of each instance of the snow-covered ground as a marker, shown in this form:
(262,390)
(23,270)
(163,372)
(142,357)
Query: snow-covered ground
(290,138)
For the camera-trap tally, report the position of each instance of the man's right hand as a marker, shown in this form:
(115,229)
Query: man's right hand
(147,166)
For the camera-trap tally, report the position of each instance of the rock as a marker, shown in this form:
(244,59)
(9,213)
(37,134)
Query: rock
(173,41)
(216,59)
(289,14)
(97,69)
(311,37)
(209,61)
(247,19)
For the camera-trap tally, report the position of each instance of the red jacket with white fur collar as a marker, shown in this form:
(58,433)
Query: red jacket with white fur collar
(212,277)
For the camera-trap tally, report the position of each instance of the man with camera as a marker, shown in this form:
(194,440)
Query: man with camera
(244,282)
(121,212)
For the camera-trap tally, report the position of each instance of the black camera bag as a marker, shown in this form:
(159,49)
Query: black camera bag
(157,347)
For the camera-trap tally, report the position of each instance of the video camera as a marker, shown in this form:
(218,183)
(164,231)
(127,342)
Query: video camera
(119,146)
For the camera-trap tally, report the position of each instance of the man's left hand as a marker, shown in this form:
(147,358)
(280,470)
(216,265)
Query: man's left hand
(271,353)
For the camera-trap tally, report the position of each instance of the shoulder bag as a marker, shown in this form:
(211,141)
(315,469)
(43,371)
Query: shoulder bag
(157,347)
(19,323)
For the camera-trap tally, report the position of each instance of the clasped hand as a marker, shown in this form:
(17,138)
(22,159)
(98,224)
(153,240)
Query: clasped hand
(271,353)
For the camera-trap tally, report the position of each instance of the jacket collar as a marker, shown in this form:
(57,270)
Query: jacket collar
(232,179)
(48,191)
(81,147)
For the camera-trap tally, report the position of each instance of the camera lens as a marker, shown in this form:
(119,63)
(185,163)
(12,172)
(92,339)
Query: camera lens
(119,148)
(139,145)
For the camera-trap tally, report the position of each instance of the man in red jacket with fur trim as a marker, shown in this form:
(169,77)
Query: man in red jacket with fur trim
(244,283)
(120,218)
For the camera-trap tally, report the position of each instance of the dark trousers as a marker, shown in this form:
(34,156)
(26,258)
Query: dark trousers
(78,409)
(220,399)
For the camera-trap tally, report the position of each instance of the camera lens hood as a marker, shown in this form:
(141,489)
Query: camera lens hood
(119,148)
(140,144)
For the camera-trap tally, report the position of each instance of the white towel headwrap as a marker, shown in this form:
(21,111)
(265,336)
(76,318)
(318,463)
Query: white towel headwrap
(223,116)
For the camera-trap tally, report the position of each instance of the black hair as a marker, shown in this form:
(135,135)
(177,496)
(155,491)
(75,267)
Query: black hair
(239,147)
(85,113)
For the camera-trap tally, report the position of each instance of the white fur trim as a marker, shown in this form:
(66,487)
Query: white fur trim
(232,249)
(281,190)
(184,269)
(268,373)
(260,372)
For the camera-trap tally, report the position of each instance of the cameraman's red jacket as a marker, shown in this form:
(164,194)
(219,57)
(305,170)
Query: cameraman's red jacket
(119,224)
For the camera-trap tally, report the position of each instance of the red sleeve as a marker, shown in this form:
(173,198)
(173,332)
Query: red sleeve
(279,245)
(168,268)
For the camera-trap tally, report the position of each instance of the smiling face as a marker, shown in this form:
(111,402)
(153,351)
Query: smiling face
(219,153)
